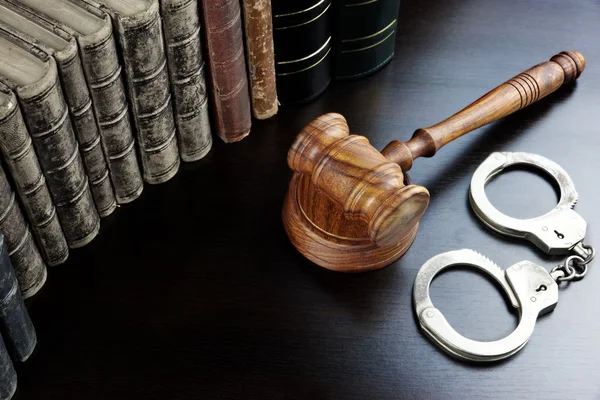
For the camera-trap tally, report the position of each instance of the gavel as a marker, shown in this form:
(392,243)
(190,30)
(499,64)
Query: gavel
(350,208)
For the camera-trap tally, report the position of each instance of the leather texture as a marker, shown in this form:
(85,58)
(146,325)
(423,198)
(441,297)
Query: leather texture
(181,24)
(258,27)
(23,165)
(15,324)
(366,36)
(227,69)
(303,43)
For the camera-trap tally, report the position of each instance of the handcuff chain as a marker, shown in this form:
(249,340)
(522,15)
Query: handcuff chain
(573,263)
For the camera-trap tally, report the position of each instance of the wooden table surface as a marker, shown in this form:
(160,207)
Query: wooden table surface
(194,292)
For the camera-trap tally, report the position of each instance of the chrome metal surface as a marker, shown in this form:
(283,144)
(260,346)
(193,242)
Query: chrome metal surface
(529,287)
(556,232)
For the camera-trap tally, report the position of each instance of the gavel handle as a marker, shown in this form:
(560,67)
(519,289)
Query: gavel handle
(514,94)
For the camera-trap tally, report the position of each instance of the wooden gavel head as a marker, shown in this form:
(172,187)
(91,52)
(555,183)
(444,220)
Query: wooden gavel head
(350,208)
(359,178)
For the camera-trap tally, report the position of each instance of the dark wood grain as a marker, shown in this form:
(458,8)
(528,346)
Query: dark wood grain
(193,290)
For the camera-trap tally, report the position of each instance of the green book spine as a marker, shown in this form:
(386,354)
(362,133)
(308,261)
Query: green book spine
(366,38)
(302,35)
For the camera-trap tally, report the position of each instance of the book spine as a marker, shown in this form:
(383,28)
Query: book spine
(181,24)
(23,165)
(103,73)
(258,27)
(86,130)
(302,35)
(227,69)
(143,50)
(8,375)
(26,259)
(17,328)
(366,38)
(47,119)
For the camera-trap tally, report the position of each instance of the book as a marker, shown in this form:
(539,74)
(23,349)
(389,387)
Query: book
(302,35)
(139,31)
(366,36)
(224,44)
(26,259)
(63,47)
(17,150)
(94,32)
(258,27)
(33,76)
(8,375)
(181,23)
(15,324)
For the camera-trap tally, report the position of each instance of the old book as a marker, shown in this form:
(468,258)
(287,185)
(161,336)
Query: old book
(366,36)
(181,23)
(258,27)
(17,150)
(8,375)
(63,47)
(26,259)
(33,77)
(139,30)
(302,33)
(16,326)
(94,32)
(227,69)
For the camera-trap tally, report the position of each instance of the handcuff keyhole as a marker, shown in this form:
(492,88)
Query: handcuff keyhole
(542,288)
(559,235)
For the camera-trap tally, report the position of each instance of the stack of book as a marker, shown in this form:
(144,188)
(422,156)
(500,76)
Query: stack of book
(99,97)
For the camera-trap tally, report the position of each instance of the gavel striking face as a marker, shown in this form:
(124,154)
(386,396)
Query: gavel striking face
(349,207)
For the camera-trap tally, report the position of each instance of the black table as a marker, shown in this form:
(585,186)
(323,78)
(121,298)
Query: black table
(194,292)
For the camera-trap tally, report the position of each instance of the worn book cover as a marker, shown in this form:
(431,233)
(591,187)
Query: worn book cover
(33,76)
(139,30)
(94,32)
(63,47)
(227,69)
(26,259)
(366,36)
(16,326)
(258,26)
(8,375)
(22,163)
(181,24)
(303,42)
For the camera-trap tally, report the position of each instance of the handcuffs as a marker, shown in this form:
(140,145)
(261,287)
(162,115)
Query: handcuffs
(530,288)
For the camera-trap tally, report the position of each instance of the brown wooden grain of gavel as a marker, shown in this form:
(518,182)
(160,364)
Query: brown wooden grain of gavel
(348,208)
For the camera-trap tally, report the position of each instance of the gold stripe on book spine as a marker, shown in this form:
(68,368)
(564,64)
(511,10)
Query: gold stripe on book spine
(372,35)
(361,3)
(308,56)
(307,22)
(301,11)
(307,68)
(371,46)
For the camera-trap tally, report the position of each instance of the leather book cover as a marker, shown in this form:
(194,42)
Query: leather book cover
(181,23)
(258,26)
(15,324)
(8,375)
(366,38)
(227,69)
(143,53)
(22,163)
(47,119)
(302,33)
(26,259)
(94,32)
(63,48)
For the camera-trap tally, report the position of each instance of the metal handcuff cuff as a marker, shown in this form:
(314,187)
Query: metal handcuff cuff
(530,288)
